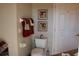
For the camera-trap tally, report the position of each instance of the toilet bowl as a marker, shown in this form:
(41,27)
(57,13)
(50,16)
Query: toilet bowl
(40,49)
(37,52)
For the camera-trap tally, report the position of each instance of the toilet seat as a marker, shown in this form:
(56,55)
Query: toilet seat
(37,52)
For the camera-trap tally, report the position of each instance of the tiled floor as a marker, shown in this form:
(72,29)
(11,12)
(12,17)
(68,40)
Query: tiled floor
(71,53)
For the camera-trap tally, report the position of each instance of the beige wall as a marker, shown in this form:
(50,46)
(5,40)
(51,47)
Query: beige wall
(49,33)
(0,22)
(9,29)
(9,25)
(24,10)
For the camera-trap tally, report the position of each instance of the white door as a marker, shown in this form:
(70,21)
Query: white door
(66,27)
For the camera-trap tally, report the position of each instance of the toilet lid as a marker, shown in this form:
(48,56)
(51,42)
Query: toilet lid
(37,52)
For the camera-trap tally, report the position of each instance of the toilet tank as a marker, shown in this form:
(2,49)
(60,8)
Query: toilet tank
(40,43)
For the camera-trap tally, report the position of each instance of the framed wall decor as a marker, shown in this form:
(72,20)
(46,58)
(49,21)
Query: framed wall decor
(42,26)
(42,14)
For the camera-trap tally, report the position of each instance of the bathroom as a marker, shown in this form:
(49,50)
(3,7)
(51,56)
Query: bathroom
(11,28)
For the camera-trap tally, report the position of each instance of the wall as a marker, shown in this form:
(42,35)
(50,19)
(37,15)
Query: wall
(24,10)
(0,22)
(49,33)
(9,28)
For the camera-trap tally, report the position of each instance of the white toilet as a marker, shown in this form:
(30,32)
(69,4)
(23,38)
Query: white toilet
(40,49)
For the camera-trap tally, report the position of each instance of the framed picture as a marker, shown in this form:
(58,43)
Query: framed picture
(42,14)
(42,25)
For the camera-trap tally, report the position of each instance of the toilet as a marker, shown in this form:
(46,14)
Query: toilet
(40,49)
